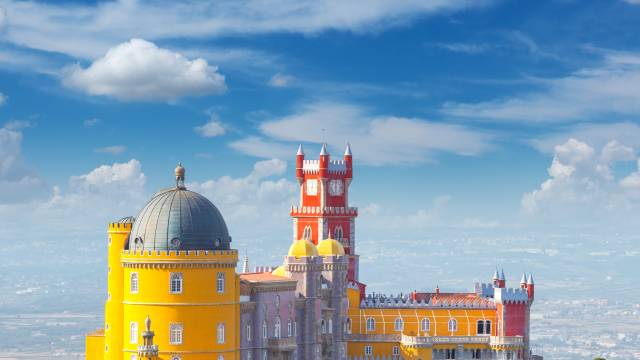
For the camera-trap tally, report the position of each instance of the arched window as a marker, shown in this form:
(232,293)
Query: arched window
(307,233)
(276,332)
(175,357)
(133,283)
(289,328)
(176,283)
(249,332)
(220,333)
(347,326)
(220,357)
(337,233)
(480,327)
(398,324)
(453,325)
(133,332)
(323,325)
(330,326)
(371,324)
(487,327)
(424,325)
(264,329)
(220,283)
(277,302)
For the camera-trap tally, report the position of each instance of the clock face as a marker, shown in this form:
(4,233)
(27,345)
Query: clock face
(336,187)
(312,187)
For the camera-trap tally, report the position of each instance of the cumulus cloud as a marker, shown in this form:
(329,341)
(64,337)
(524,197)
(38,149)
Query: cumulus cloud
(594,134)
(113,149)
(383,139)
(139,70)
(212,128)
(582,186)
(18,182)
(89,30)
(613,87)
(281,80)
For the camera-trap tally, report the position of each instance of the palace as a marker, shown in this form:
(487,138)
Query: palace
(174,293)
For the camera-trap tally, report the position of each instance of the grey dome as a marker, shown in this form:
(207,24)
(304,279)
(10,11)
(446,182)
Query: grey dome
(179,219)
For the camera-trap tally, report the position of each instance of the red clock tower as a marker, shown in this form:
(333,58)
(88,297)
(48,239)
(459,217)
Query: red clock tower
(324,210)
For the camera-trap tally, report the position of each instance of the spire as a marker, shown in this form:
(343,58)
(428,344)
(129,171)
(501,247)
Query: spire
(179,171)
(524,279)
(530,280)
(324,151)
(347,151)
(300,150)
(245,265)
(496,275)
(502,274)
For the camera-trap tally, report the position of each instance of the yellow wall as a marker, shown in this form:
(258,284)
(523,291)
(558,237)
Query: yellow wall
(94,346)
(118,234)
(199,308)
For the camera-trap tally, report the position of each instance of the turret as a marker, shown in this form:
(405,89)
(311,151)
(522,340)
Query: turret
(523,281)
(496,278)
(300,164)
(531,288)
(348,158)
(324,161)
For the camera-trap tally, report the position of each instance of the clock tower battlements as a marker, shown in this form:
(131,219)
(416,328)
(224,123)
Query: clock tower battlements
(324,210)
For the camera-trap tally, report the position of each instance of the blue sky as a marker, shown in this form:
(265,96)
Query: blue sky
(461,114)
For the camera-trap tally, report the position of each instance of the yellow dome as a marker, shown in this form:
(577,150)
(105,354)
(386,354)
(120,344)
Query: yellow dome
(279,271)
(330,247)
(302,248)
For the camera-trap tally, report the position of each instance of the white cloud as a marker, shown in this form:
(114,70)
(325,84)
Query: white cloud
(261,148)
(281,80)
(467,48)
(113,149)
(611,88)
(18,182)
(212,128)
(118,177)
(262,198)
(380,139)
(594,134)
(139,70)
(3,99)
(582,188)
(91,122)
(89,30)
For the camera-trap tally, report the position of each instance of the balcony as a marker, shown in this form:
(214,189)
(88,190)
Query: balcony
(494,341)
(282,344)
(147,351)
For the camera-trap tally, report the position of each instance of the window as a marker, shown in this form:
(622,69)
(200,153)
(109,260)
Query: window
(398,325)
(134,357)
(337,233)
(133,283)
(175,334)
(487,327)
(424,325)
(453,325)
(371,324)
(176,283)
(220,333)
(368,350)
(220,283)
(323,325)
(133,332)
(396,350)
(307,233)
(509,355)
(277,302)
(312,187)
(476,354)
(276,328)
(347,326)
(480,327)
(220,357)
(450,354)
(264,355)
(295,328)
(249,332)
(249,355)
(289,328)
(175,357)
(330,326)
(264,329)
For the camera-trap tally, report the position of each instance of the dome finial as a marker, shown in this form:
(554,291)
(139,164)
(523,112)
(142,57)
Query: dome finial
(180,176)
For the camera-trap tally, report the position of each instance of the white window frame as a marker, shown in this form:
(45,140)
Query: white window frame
(177,280)
(220,329)
(175,334)
(133,332)
(277,328)
(220,282)
(248,331)
(395,350)
(264,329)
(289,328)
(312,187)
(487,327)
(307,233)
(423,322)
(371,324)
(220,357)
(368,350)
(452,325)
(347,324)
(330,326)
(398,324)
(134,282)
